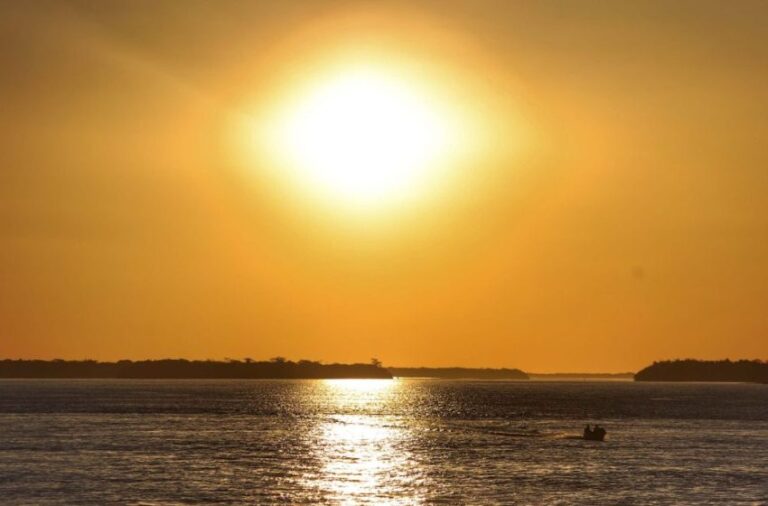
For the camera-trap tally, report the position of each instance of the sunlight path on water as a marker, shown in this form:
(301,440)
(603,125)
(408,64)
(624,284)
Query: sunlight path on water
(363,458)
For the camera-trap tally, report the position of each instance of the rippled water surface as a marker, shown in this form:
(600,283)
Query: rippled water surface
(380,442)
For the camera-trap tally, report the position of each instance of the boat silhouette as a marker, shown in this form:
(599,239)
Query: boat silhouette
(596,434)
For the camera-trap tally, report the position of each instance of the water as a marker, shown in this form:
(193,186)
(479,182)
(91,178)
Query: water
(380,442)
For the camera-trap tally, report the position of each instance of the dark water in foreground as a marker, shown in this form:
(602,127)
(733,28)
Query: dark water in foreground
(380,442)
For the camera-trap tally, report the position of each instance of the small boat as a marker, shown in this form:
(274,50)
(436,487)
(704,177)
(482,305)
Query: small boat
(596,434)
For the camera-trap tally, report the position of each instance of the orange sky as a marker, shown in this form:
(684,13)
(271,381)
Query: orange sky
(619,217)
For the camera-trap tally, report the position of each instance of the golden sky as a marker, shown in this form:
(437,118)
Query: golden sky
(604,204)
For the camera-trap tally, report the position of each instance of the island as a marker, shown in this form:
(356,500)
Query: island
(277,368)
(458,373)
(752,371)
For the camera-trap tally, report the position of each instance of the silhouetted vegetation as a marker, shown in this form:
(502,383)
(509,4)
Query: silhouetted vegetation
(457,373)
(277,368)
(700,370)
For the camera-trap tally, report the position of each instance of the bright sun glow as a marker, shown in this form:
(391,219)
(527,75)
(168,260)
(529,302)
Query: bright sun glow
(363,137)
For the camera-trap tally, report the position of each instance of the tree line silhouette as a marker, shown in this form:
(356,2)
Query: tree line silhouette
(754,371)
(276,368)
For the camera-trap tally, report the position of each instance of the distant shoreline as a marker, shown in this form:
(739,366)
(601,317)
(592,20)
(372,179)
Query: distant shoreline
(740,371)
(458,373)
(619,376)
(749,371)
(278,368)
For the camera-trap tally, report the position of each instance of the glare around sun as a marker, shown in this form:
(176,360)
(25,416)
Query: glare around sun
(363,137)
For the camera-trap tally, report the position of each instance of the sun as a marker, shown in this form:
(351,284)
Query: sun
(363,137)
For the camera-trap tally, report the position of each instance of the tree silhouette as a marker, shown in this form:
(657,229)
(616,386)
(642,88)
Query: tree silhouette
(702,370)
(278,367)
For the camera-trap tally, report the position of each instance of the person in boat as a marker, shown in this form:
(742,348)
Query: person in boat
(596,434)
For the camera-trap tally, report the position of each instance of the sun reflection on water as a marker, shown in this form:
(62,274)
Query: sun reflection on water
(346,393)
(364,458)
